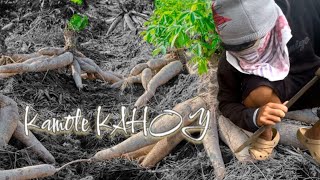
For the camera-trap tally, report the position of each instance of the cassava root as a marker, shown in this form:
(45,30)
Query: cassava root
(163,124)
(35,171)
(29,172)
(9,118)
(31,141)
(162,77)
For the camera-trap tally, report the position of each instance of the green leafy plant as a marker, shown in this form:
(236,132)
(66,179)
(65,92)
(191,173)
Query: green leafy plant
(78,22)
(184,24)
(79,2)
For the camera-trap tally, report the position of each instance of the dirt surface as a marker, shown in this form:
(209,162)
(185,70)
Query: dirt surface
(53,94)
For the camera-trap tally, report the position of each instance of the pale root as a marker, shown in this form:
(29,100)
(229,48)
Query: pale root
(116,74)
(133,143)
(9,117)
(156,64)
(135,20)
(33,143)
(49,63)
(114,24)
(139,14)
(212,147)
(127,82)
(35,59)
(234,137)
(99,73)
(185,108)
(163,124)
(18,58)
(138,153)
(164,147)
(106,76)
(129,22)
(86,67)
(162,77)
(76,74)
(6,75)
(51,51)
(146,76)
(29,172)
(161,150)
(138,69)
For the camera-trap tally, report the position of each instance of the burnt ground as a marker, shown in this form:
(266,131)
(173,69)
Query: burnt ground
(53,94)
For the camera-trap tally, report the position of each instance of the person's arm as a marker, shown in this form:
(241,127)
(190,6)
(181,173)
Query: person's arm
(229,97)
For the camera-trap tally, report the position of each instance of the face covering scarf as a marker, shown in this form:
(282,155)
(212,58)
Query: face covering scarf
(269,56)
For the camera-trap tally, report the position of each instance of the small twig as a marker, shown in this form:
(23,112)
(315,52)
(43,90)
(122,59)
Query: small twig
(72,162)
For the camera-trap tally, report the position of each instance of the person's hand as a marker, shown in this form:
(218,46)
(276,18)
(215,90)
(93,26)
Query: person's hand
(271,113)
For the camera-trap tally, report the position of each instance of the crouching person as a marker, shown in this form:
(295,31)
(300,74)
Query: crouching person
(272,51)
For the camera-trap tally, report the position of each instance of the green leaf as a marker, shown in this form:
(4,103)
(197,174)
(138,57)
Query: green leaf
(78,22)
(192,18)
(156,51)
(194,7)
(184,24)
(174,40)
(79,2)
(202,66)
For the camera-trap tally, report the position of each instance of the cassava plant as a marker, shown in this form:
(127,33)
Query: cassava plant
(128,15)
(51,58)
(188,25)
